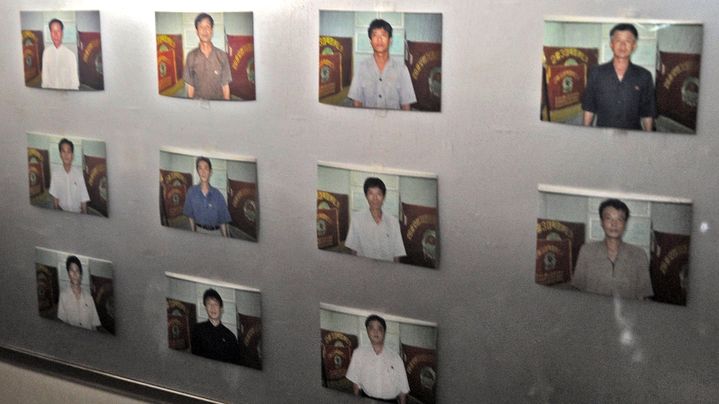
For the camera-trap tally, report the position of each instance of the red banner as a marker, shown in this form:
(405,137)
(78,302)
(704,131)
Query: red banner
(173,188)
(32,48)
(678,87)
(241,54)
(335,45)
(328,230)
(89,49)
(243,206)
(669,267)
(564,79)
(548,229)
(420,234)
(95,174)
(330,75)
(553,262)
(180,317)
(421,367)
(424,61)
(48,292)
(331,200)
(565,85)
(337,350)
(169,60)
(38,165)
(102,293)
(250,332)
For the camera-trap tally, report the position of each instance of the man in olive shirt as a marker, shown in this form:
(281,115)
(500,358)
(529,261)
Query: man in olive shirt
(207,69)
(611,266)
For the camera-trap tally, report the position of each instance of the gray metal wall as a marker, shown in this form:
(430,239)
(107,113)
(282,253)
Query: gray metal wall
(501,338)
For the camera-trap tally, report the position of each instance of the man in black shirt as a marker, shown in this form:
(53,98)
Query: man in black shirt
(619,93)
(210,338)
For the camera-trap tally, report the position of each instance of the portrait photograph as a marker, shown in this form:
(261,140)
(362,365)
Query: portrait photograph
(381,60)
(216,320)
(625,245)
(376,355)
(383,214)
(62,50)
(75,289)
(209,194)
(626,74)
(67,173)
(206,55)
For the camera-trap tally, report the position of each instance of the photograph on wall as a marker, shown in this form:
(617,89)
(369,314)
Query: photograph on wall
(216,320)
(206,55)
(384,214)
(68,173)
(382,60)
(210,194)
(377,355)
(75,289)
(62,50)
(624,74)
(631,246)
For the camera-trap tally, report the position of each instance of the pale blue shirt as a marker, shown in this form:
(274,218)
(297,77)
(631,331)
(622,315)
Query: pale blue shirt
(389,89)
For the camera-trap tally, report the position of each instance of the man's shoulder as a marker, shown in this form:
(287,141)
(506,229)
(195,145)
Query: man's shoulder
(634,251)
(218,50)
(592,247)
(640,71)
(193,53)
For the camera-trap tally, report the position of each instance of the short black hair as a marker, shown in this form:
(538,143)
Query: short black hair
(67,142)
(73,260)
(624,27)
(205,159)
(374,317)
(616,204)
(55,20)
(377,24)
(201,17)
(374,182)
(211,294)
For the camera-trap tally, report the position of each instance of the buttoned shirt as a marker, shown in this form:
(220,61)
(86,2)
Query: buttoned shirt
(207,74)
(207,210)
(627,277)
(69,188)
(382,241)
(378,375)
(619,103)
(389,89)
(59,68)
(80,312)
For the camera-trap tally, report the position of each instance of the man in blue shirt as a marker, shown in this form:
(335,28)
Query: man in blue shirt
(204,204)
(620,93)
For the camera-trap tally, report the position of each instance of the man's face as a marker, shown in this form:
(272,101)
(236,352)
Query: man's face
(623,44)
(204,30)
(375,332)
(214,310)
(375,198)
(613,223)
(73,272)
(380,40)
(66,154)
(56,34)
(204,171)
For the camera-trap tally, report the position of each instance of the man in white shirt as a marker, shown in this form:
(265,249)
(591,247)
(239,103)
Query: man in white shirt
(375,233)
(67,185)
(376,371)
(59,64)
(76,305)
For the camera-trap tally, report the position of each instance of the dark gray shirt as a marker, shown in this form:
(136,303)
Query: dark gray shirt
(619,104)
